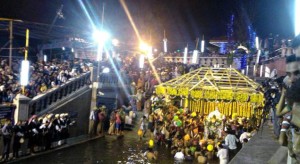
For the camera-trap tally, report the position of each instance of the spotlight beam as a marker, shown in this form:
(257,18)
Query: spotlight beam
(131,20)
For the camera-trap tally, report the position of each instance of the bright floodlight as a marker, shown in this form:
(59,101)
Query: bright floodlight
(165,45)
(257,43)
(185,55)
(144,47)
(195,56)
(115,42)
(72,50)
(297,17)
(101,36)
(202,46)
(63,48)
(141,62)
(45,58)
(150,53)
(24,73)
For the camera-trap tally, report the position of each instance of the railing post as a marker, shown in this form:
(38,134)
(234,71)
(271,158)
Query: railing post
(41,105)
(22,108)
(55,96)
(70,87)
(61,93)
(65,90)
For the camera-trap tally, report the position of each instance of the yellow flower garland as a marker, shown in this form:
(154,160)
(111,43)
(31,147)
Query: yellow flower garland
(197,93)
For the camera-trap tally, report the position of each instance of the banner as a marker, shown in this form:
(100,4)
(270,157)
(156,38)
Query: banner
(6,112)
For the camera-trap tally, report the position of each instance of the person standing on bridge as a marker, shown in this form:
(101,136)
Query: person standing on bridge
(7,134)
(18,130)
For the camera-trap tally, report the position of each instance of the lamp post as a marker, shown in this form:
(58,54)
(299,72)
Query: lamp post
(165,43)
(195,53)
(202,44)
(185,55)
(25,65)
(101,37)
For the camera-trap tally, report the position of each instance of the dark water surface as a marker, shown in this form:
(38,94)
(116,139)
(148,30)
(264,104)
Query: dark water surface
(110,149)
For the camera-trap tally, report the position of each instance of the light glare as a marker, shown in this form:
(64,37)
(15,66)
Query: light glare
(195,56)
(297,17)
(141,64)
(202,46)
(144,47)
(150,53)
(185,55)
(101,36)
(165,46)
(257,43)
(106,70)
(24,73)
(115,42)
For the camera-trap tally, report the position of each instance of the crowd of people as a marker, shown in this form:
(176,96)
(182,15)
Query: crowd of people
(191,136)
(188,135)
(35,134)
(118,119)
(43,76)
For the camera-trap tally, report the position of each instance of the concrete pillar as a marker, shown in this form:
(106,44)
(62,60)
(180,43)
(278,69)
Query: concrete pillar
(93,102)
(93,77)
(22,107)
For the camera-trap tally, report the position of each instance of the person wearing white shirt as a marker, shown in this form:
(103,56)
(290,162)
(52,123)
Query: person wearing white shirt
(179,155)
(245,135)
(222,154)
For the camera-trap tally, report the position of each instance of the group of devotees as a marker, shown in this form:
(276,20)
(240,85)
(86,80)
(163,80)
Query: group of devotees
(35,134)
(191,136)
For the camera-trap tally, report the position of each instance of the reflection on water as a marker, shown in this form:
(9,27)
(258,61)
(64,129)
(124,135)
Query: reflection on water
(110,149)
(125,150)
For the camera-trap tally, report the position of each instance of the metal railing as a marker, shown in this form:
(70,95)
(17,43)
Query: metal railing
(111,80)
(41,102)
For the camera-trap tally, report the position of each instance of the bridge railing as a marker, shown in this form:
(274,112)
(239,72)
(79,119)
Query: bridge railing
(42,101)
(203,61)
(111,80)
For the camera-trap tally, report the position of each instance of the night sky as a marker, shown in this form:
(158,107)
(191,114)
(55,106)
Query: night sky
(183,20)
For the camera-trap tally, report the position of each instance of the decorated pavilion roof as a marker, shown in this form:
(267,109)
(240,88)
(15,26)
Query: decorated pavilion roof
(213,79)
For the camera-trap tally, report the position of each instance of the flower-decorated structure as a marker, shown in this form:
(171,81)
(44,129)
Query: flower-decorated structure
(206,89)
